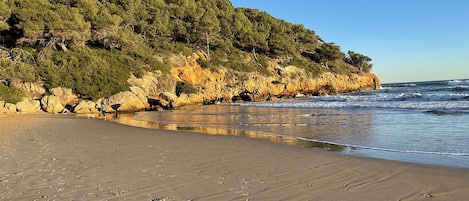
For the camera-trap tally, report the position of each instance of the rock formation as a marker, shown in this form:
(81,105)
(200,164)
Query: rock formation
(208,86)
(31,89)
(8,108)
(64,95)
(52,104)
(28,106)
(86,107)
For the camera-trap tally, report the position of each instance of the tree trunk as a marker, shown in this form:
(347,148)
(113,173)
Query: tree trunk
(208,45)
(254,53)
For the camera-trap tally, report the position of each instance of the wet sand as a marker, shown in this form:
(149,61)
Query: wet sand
(47,157)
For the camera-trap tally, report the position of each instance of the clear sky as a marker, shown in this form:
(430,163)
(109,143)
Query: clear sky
(408,40)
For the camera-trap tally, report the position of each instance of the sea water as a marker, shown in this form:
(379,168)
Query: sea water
(420,122)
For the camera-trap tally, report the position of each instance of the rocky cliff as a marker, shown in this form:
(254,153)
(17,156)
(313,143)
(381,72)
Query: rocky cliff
(190,84)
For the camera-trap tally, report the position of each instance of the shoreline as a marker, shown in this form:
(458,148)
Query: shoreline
(65,157)
(443,159)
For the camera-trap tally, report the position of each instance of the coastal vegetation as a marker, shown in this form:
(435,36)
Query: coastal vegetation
(92,47)
(10,94)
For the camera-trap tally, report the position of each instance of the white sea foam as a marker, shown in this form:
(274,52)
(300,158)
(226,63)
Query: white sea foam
(384,149)
(458,82)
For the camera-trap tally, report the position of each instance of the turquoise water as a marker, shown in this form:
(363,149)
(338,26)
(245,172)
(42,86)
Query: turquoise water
(424,122)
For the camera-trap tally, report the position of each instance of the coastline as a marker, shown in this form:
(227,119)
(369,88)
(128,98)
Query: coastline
(64,157)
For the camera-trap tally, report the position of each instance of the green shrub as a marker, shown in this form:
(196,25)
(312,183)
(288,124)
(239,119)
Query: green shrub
(18,69)
(10,95)
(173,48)
(340,68)
(88,72)
(205,63)
(314,69)
(184,88)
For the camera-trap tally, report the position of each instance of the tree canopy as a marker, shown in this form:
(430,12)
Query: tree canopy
(360,61)
(57,41)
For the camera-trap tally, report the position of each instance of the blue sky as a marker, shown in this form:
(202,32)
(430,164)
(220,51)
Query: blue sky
(408,40)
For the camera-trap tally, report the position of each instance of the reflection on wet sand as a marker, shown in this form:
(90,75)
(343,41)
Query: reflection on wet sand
(129,119)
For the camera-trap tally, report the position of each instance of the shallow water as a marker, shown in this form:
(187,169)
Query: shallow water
(424,122)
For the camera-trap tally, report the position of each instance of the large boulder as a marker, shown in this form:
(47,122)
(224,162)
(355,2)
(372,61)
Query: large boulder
(126,101)
(65,95)
(52,104)
(85,107)
(28,106)
(9,108)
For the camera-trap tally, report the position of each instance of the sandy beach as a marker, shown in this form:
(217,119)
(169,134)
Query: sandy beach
(61,157)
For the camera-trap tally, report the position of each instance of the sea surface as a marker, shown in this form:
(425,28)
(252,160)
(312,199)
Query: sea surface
(420,122)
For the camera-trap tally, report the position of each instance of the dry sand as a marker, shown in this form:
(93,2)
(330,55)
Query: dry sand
(46,157)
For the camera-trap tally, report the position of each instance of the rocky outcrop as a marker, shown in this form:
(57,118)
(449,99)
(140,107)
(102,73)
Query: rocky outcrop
(190,84)
(225,85)
(28,106)
(228,85)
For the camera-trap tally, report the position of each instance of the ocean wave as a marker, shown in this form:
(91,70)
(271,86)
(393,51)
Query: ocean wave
(408,96)
(385,149)
(457,103)
(447,112)
(427,84)
(458,82)
(272,124)
(460,88)
(399,85)
(390,97)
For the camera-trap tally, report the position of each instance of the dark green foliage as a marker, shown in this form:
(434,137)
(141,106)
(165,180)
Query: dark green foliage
(360,61)
(4,16)
(92,73)
(18,63)
(10,95)
(238,61)
(327,52)
(206,63)
(184,88)
(314,69)
(340,67)
(93,46)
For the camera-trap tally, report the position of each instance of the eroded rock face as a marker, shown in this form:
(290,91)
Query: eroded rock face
(210,86)
(28,106)
(153,83)
(227,85)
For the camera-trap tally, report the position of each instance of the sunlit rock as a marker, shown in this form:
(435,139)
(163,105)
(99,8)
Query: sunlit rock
(52,104)
(28,106)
